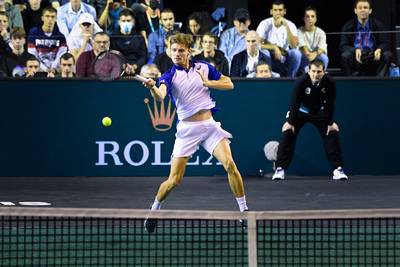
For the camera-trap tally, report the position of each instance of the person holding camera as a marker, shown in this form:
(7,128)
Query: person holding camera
(363,45)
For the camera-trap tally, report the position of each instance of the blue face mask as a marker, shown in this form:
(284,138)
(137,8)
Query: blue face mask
(126,27)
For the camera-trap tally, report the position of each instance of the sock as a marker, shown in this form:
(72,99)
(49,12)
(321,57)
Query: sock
(242,203)
(156,205)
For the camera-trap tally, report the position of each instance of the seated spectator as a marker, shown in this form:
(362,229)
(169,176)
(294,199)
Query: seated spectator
(156,44)
(4,34)
(14,61)
(32,68)
(150,71)
(130,43)
(279,37)
(364,45)
(67,66)
(198,24)
(263,70)
(80,38)
(312,41)
(85,63)
(244,63)
(210,53)
(46,43)
(69,13)
(163,61)
(110,16)
(32,14)
(233,41)
(13,14)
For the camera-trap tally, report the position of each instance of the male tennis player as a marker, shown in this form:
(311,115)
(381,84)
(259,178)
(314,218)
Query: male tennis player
(187,83)
(312,101)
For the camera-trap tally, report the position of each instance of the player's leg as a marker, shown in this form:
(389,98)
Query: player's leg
(332,149)
(223,154)
(178,167)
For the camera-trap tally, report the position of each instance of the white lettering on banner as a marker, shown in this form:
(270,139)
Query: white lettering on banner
(143,151)
(25,203)
(157,154)
(127,154)
(102,152)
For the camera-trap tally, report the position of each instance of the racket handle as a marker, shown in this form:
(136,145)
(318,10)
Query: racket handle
(140,78)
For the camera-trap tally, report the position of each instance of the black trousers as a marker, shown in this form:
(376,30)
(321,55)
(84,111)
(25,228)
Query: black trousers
(288,141)
(370,68)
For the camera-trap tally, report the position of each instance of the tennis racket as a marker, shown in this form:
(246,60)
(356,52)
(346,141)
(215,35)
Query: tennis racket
(140,78)
(109,65)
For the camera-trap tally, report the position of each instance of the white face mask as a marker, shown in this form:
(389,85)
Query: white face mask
(126,27)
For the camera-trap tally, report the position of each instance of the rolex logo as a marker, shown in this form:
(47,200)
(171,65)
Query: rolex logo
(162,120)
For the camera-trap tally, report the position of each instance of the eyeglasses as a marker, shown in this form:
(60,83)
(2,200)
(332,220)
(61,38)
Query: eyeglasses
(86,24)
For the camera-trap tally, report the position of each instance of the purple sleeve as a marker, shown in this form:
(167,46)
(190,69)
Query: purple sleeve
(213,74)
(166,79)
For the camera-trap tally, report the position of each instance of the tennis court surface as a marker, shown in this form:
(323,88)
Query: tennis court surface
(302,221)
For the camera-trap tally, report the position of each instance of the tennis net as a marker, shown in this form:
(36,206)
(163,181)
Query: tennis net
(115,237)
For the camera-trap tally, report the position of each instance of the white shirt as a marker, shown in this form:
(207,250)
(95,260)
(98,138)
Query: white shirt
(313,40)
(277,36)
(252,63)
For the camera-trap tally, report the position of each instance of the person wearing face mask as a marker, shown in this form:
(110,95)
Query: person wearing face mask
(80,38)
(130,43)
(313,101)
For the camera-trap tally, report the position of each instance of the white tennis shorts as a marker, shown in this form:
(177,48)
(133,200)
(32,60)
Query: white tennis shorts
(190,135)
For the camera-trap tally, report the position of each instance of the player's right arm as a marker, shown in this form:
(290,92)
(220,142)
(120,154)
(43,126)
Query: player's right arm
(159,93)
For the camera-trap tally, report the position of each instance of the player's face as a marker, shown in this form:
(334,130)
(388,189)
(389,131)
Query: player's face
(362,10)
(278,11)
(316,73)
(179,54)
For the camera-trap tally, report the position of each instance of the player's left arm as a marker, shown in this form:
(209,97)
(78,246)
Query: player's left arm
(215,79)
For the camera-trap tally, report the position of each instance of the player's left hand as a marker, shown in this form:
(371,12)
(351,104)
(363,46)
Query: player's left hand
(332,127)
(202,76)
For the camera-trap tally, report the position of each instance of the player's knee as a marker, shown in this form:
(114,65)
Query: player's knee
(230,166)
(174,180)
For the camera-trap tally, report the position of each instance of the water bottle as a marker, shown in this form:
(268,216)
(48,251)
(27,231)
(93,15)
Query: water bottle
(394,71)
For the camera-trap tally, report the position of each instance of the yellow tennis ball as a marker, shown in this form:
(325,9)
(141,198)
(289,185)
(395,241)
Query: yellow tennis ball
(106,121)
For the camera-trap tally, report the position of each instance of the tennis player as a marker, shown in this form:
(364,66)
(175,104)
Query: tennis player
(188,83)
(312,102)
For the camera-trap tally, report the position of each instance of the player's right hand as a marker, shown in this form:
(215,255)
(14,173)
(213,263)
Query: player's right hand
(150,83)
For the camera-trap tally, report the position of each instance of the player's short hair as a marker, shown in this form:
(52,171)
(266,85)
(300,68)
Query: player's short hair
(183,39)
(317,63)
(358,1)
(67,56)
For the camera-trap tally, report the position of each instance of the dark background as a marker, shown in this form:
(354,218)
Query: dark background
(331,15)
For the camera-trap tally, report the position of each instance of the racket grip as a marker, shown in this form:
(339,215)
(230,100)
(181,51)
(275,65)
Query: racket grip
(140,78)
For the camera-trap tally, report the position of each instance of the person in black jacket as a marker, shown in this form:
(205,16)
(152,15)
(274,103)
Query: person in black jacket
(130,43)
(313,101)
(244,63)
(209,43)
(364,48)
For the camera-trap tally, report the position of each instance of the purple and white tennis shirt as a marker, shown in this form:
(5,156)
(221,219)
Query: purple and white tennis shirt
(186,88)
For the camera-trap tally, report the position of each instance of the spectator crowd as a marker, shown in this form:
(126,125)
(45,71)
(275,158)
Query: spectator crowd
(60,38)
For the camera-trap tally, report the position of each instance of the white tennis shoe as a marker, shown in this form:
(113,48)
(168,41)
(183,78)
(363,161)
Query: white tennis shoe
(338,174)
(279,174)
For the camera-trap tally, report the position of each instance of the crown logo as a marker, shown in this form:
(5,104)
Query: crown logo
(162,120)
